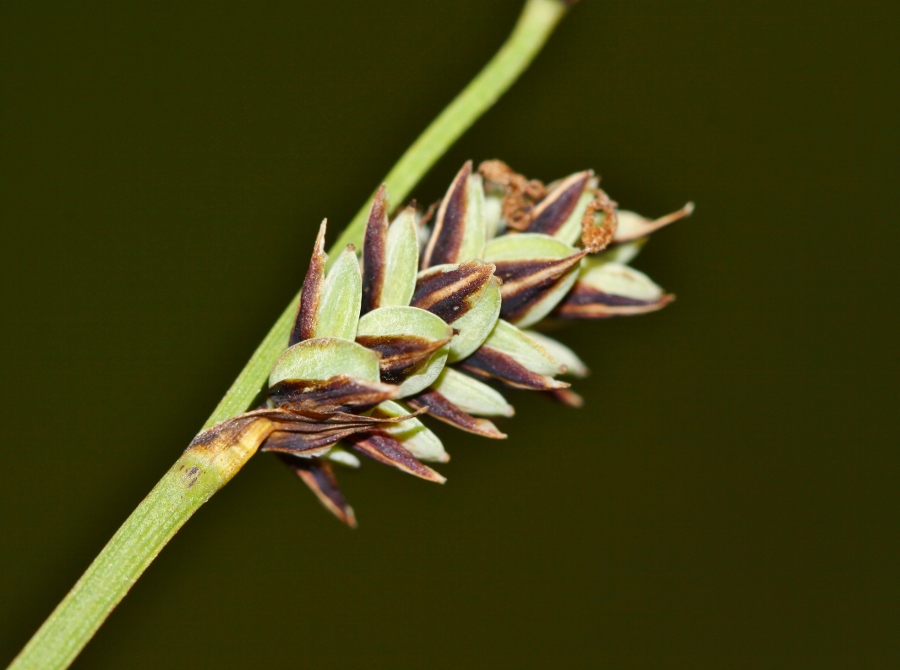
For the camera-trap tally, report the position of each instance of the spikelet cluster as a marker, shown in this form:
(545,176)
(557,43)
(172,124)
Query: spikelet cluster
(439,311)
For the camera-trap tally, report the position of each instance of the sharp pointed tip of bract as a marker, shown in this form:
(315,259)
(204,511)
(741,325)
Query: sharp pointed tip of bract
(320,237)
(348,517)
(688,208)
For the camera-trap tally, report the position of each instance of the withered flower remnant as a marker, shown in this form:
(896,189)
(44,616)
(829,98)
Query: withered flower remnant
(436,312)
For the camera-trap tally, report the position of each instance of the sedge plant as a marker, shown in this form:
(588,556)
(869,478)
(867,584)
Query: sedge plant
(426,313)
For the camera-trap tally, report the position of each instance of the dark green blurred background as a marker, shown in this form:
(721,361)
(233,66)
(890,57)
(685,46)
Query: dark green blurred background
(726,499)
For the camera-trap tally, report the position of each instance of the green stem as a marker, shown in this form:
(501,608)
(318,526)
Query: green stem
(535,24)
(199,473)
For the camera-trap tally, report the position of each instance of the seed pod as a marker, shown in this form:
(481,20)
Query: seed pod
(324,358)
(401,260)
(470,395)
(616,253)
(634,226)
(536,270)
(612,289)
(560,353)
(413,434)
(342,456)
(341,298)
(473,327)
(510,356)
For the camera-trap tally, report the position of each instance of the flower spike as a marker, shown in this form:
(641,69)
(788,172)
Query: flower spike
(426,324)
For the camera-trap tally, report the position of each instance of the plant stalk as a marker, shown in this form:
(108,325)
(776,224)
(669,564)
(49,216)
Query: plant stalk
(204,469)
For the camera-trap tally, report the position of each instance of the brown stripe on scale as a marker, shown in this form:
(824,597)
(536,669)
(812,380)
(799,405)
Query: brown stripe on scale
(450,293)
(450,224)
(319,477)
(373,256)
(338,393)
(553,211)
(584,302)
(400,353)
(597,235)
(310,294)
(526,281)
(440,408)
(493,363)
(385,449)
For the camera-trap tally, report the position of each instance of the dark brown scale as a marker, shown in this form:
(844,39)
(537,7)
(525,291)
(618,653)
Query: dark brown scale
(553,211)
(310,294)
(451,294)
(491,362)
(340,393)
(319,477)
(400,353)
(300,444)
(584,302)
(374,250)
(449,226)
(440,408)
(385,449)
(525,283)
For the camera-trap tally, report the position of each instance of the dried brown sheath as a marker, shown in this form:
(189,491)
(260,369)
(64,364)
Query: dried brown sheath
(584,302)
(385,449)
(298,444)
(450,224)
(525,282)
(493,363)
(311,438)
(440,408)
(553,211)
(319,477)
(310,294)
(451,294)
(374,250)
